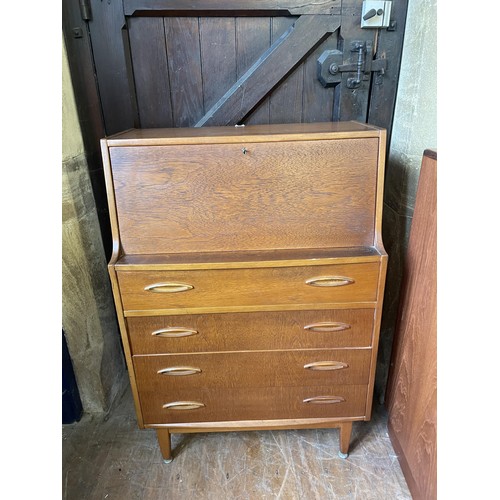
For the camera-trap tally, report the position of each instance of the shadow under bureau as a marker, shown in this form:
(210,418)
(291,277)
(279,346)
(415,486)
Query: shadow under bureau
(248,274)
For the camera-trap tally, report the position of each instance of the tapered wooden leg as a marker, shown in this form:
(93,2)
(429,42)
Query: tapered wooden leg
(165,444)
(345,439)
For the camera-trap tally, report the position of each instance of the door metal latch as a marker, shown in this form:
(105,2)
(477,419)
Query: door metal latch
(330,67)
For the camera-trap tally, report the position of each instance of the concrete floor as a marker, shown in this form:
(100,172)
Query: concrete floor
(109,458)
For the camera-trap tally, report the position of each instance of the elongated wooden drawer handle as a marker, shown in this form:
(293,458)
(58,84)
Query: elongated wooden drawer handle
(174,332)
(326,365)
(179,370)
(324,400)
(327,327)
(183,405)
(168,287)
(330,281)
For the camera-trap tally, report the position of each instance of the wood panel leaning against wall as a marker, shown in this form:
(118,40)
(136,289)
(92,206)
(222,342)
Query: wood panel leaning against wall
(412,387)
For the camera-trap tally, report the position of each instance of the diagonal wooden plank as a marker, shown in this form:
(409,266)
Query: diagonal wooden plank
(217,7)
(253,36)
(285,102)
(274,64)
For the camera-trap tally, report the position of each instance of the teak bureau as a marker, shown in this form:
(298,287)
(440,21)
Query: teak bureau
(248,274)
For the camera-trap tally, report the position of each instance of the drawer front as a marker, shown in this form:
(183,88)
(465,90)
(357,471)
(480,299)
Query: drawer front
(251,331)
(170,372)
(203,404)
(226,288)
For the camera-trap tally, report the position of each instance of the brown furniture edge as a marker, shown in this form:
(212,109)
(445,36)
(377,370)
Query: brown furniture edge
(412,485)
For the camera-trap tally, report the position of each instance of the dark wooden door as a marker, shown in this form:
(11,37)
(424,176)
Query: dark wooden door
(177,63)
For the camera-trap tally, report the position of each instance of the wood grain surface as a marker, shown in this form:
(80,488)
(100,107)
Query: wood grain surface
(286,100)
(249,331)
(412,388)
(283,57)
(318,102)
(289,6)
(218,55)
(247,287)
(247,196)
(255,425)
(182,37)
(252,369)
(253,404)
(153,95)
(248,259)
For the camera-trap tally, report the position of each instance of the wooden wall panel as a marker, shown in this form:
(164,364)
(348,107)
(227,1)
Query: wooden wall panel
(110,53)
(293,7)
(114,73)
(184,64)
(411,391)
(151,74)
(317,101)
(218,57)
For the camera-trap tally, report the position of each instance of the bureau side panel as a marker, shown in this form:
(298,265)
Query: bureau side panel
(376,333)
(114,281)
(222,197)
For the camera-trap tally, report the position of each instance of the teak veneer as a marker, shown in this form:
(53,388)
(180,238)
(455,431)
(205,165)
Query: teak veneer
(248,274)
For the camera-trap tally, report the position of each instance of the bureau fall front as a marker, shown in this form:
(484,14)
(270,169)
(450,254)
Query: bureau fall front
(248,274)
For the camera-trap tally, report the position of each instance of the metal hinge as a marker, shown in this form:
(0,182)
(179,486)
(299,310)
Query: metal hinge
(330,67)
(85,10)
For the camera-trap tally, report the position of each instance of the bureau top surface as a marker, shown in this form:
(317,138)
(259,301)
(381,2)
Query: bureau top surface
(254,133)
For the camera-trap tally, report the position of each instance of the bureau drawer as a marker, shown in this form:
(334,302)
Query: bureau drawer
(251,331)
(166,373)
(229,289)
(224,405)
